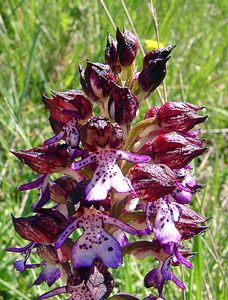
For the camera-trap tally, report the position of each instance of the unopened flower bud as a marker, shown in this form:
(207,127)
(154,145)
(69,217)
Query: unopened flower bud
(111,55)
(99,133)
(127,47)
(97,80)
(154,70)
(179,116)
(152,182)
(45,159)
(173,149)
(152,75)
(157,53)
(122,105)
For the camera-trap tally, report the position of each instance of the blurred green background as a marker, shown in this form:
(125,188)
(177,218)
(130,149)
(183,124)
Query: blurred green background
(41,44)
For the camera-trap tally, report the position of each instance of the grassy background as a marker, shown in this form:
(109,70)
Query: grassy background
(41,44)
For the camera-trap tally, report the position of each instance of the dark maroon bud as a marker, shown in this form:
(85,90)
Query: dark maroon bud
(173,150)
(154,69)
(111,55)
(179,116)
(157,53)
(127,47)
(61,188)
(45,159)
(100,133)
(152,182)
(152,112)
(122,105)
(152,75)
(42,228)
(67,105)
(97,80)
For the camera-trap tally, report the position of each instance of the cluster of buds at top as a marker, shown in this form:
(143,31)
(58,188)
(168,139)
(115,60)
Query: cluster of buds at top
(117,179)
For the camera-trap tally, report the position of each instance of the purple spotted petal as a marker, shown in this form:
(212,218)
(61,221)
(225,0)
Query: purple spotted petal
(95,242)
(33,184)
(72,134)
(54,292)
(163,226)
(83,162)
(99,244)
(108,174)
(49,274)
(175,211)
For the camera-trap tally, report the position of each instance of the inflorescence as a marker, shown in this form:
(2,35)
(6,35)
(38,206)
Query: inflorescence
(125,189)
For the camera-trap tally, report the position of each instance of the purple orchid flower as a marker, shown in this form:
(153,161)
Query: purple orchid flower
(158,276)
(164,227)
(164,222)
(95,242)
(108,174)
